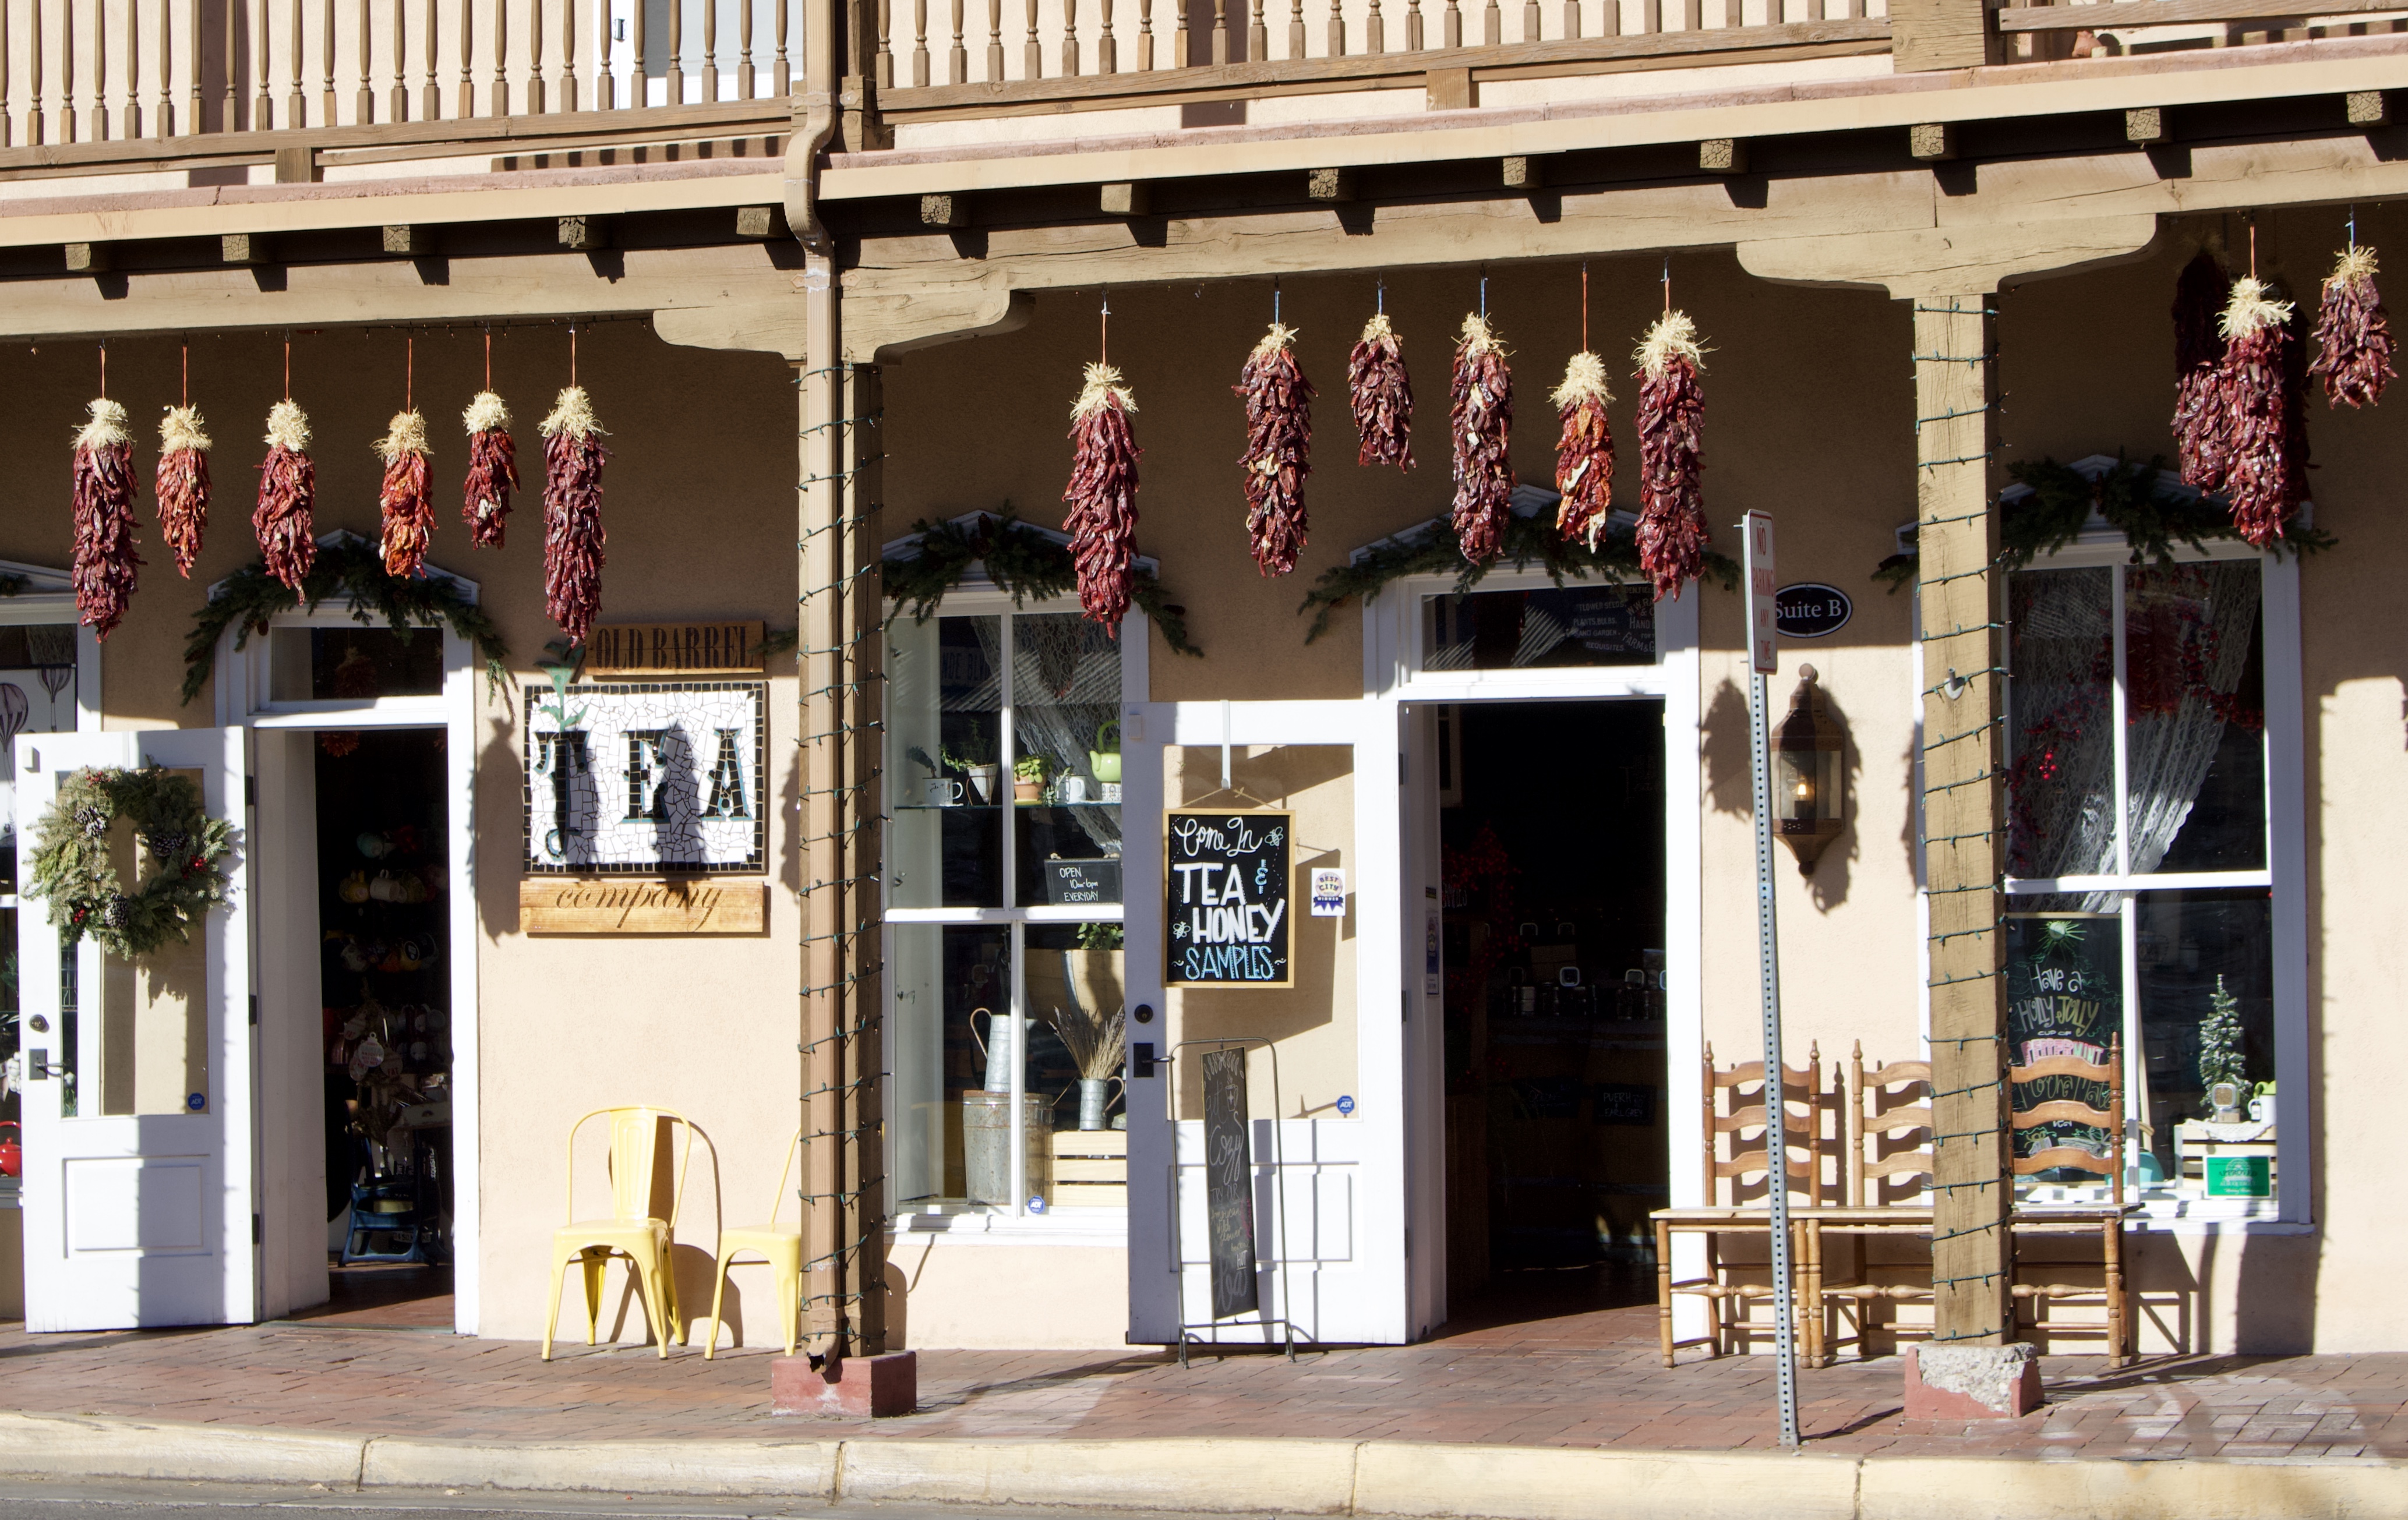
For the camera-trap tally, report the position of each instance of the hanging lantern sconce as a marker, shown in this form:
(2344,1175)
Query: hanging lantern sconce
(1809,774)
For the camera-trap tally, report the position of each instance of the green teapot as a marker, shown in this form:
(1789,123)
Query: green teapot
(1105,759)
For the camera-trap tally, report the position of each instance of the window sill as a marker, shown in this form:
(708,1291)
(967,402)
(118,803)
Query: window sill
(964,1225)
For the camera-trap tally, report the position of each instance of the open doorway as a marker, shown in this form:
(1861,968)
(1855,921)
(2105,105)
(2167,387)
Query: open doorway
(384,987)
(1552,825)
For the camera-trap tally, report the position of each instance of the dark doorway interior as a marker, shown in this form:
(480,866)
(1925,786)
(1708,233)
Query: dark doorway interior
(384,911)
(1552,822)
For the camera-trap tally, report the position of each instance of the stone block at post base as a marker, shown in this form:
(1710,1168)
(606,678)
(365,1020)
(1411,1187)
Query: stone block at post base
(1971,1382)
(870,1386)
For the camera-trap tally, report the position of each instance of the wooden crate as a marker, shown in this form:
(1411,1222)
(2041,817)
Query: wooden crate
(1091,1169)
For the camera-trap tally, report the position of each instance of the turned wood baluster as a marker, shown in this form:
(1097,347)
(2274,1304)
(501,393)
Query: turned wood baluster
(67,69)
(677,52)
(36,121)
(262,57)
(784,74)
(1530,19)
(994,41)
(1259,37)
(133,121)
(1180,54)
(711,50)
(1336,40)
(164,117)
(1108,52)
(466,107)
(535,102)
(296,104)
(639,85)
(744,47)
(1295,28)
(882,62)
(920,41)
(400,91)
(431,90)
(1219,31)
(7,117)
(1413,26)
(192,120)
(326,116)
(499,91)
(957,61)
(1492,25)
(1451,26)
(568,55)
(1032,51)
(1145,36)
(1070,39)
(362,86)
(1573,19)
(231,121)
(98,113)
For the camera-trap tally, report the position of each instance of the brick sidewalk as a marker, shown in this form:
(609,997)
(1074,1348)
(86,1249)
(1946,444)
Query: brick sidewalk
(1584,1380)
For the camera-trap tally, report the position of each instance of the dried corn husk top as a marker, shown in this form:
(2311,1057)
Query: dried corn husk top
(1477,338)
(486,415)
(107,428)
(2354,263)
(2249,310)
(1272,341)
(1102,380)
(573,414)
(1673,337)
(1584,380)
(1378,329)
(404,435)
(288,427)
(180,429)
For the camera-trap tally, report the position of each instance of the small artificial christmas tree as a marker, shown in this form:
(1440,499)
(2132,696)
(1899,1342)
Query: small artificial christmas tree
(2219,1042)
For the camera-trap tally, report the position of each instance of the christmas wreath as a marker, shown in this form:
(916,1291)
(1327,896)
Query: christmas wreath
(185,845)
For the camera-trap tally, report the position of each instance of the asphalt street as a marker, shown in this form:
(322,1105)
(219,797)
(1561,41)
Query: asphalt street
(29,1500)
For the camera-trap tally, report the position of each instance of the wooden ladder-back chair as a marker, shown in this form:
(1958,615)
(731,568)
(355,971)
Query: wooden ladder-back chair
(1885,1118)
(1733,1099)
(2046,1219)
(632,1230)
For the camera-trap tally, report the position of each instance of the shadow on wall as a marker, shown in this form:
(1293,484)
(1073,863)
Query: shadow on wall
(1730,783)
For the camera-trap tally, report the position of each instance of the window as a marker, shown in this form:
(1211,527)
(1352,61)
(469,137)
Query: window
(1004,902)
(2144,909)
(38,695)
(1578,624)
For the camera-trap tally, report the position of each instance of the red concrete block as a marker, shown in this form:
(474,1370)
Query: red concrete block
(859,1386)
(1973,1382)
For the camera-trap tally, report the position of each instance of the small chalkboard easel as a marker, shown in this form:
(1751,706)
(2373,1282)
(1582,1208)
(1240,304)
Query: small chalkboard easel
(1229,1190)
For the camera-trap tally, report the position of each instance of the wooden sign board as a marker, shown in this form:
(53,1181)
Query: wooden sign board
(1228,1183)
(1228,919)
(635,905)
(673,649)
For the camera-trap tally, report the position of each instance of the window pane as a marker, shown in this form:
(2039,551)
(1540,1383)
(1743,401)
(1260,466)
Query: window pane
(37,696)
(1076,1040)
(354,665)
(2206,976)
(944,721)
(951,988)
(1552,626)
(2195,717)
(2065,998)
(1066,696)
(2061,775)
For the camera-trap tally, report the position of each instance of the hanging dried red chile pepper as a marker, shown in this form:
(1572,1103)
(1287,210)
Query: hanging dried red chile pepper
(288,490)
(1584,454)
(2258,394)
(1671,415)
(2354,341)
(2200,450)
(573,538)
(407,500)
(1279,448)
(104,562)
(1102,494)
(1380,396)
(493,469)
(1481,397)
(183,485)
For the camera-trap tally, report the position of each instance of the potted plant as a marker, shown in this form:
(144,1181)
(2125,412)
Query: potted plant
(1091,1018)
(975,758)
(1028,779)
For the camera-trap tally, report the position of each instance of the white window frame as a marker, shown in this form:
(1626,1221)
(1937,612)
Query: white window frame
(2285,873)
(964,1222)
(242,685)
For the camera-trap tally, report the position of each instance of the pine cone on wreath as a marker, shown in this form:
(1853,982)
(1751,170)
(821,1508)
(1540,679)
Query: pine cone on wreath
(93,821)
(115,914)
(167,847)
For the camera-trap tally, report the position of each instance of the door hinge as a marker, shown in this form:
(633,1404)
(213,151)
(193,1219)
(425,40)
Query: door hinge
(255,1231)
(1400,768)
(255,1008)
(1409,1243)
(251,791)
(1406,997)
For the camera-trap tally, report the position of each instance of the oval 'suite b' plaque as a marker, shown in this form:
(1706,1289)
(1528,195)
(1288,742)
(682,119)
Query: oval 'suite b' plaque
(1811,609)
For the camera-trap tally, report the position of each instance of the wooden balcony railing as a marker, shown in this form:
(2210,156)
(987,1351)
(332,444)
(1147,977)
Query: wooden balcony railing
(89,71)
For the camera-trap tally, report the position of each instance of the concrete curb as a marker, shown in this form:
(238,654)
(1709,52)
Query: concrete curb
(1418,1480)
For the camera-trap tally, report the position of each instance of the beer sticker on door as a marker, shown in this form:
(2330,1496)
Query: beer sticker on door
(1226,913)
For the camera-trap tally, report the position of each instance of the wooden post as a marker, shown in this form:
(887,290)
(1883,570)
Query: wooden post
(843,1187)
(1963,814)
(1927,34)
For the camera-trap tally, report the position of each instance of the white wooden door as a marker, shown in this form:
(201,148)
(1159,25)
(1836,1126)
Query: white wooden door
(138,1110)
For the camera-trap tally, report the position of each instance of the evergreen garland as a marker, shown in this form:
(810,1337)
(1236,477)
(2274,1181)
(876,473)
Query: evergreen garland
(73,869)
(2220,1037)
(1019,560)
(2152,517)
(1524,540)
(354,570)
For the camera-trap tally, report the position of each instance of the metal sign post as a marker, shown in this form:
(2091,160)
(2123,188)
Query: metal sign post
(1763,660)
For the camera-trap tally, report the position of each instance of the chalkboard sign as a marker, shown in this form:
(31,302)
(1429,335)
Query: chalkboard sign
(1227,921)
(2065,996)
(1228,1183)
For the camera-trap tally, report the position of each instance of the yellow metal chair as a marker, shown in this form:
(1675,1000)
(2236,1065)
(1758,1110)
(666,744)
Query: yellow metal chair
(632,1230)
(781,1245)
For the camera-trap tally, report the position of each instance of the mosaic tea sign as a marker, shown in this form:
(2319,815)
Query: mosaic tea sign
(1226,922)
(647,779)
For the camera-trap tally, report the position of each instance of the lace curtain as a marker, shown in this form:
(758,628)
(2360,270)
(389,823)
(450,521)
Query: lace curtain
(1066,685)
(2186,637)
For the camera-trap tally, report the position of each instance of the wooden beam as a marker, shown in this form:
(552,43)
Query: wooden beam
(1523,172)
(409,241)
(2147,126)
(1723,155)
(1450,89)
(2367,108)
(296,163)
(584,234)
(1931,142)
(1928,35)
(1964,791)
(89,258)
(246,247)
(761,223)
(1329,185)
(1125,199)
(945,210)
(2130,14)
